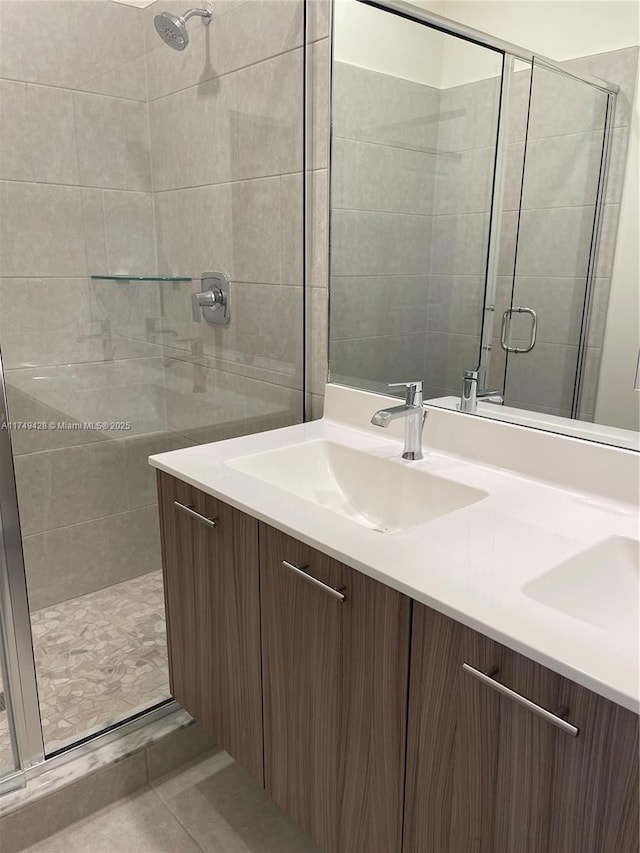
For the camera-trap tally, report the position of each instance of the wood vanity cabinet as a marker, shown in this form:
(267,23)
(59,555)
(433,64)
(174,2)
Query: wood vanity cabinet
(335,685)
(212,599)
(486,774)
(350,704)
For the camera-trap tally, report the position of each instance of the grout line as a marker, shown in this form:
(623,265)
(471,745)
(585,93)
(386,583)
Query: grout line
(225,74)
(77,91)
(78,186)
(177,818)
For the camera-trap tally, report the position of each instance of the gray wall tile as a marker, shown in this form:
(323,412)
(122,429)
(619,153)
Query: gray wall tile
(194,230)
(113,142)
(561,105)
(319,228)
(373,107)
(291,230)
(256,235)
(374,243)
(69,43)
(71,561)
(562,171)
(270,116)
(16,161)
(464,181)
(459,244)
(455,304)
(377,360)
(319,19)
(94,236)
(317,406)
(368,176)
(543,378)
(129,232)
(319,340)
(125,81)
(43,220)
(555,242)
(193,136)
(468,114)
(599,306)
(607,240)
(617,165)
(618,66)
(319,57)
(356,305)
(51,135)
(58,487)
(446,357)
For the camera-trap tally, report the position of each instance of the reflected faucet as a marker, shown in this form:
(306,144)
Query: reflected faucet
(414,415)
(471,395)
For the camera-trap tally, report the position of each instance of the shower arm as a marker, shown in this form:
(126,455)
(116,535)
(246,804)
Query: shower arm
(200,13)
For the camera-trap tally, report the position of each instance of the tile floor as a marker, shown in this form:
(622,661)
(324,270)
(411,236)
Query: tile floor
(99,657)
(208,806)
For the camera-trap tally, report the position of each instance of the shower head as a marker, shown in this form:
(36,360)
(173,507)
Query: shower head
(172,29)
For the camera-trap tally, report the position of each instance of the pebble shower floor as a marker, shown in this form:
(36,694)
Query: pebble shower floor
(99,657)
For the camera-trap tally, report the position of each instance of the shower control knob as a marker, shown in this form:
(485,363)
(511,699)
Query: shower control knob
(212,302)
(209,298)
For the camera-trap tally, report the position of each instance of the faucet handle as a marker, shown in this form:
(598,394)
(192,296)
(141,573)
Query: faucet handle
(413,391)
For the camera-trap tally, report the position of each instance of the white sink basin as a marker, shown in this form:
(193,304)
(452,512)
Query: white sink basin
(386,495)
(600,586)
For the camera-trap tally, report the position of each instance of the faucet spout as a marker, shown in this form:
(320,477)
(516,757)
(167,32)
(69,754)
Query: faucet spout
(414,417)
(384,417)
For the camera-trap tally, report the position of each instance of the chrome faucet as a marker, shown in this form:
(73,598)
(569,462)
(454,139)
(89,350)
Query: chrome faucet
(414,416)
(471,395)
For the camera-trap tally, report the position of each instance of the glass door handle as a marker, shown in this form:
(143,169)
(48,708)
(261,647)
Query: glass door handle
(506,329)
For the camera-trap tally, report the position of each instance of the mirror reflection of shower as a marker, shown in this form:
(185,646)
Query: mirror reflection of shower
(172,29)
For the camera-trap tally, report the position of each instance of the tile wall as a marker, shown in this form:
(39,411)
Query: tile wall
(121,156)
(412,169)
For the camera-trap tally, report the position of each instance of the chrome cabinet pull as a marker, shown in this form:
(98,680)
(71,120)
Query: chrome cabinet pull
(506,326)
(335,593)
(187,509)
(488,678)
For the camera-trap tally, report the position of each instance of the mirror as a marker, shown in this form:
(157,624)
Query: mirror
(474,205)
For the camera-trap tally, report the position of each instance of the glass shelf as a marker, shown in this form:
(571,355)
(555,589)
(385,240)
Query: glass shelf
(140,278)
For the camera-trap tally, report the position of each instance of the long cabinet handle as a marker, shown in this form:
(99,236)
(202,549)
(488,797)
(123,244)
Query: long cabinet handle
(187,509)
(554,719)
(300,571)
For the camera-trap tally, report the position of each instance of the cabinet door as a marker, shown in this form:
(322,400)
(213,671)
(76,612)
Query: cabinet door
(595,797)
(335,692)
(487,774)
(212,602)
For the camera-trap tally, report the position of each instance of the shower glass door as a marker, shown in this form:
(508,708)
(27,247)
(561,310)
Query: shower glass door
(553,283)
(127,170)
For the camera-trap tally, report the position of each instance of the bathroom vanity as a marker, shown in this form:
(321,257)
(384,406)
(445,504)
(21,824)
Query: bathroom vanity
(448,662)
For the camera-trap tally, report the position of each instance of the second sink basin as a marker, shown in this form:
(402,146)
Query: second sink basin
(385,495)
(600,586)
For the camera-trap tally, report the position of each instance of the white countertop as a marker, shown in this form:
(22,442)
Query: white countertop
(472,564)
